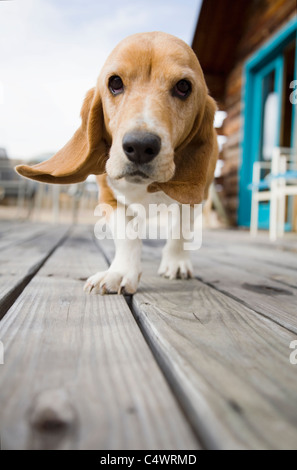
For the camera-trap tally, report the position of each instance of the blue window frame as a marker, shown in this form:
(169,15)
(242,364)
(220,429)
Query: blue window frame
(267,61)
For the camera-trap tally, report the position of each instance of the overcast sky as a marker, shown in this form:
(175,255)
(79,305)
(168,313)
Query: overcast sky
(51,52)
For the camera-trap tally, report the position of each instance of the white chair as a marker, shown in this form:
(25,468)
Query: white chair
(280,182)
(283,183)
(260,193)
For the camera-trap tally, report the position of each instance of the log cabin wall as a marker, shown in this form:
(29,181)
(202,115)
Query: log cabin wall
(237,30)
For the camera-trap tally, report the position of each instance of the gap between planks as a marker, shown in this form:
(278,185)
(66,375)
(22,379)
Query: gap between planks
(228,365)
(226,273)
(20,263)
(84,354)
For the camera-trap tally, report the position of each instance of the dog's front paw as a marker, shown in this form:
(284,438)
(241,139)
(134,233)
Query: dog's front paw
(113,282)
(176,267)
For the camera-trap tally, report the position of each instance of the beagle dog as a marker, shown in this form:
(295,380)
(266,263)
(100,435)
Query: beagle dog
(147,132)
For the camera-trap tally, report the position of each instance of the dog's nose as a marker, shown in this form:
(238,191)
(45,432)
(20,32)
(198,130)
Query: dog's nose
(141,147)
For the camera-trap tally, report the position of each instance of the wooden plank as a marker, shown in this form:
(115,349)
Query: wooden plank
(278,253)
(9,228)
(19,233)
(244,281)
(263,24)
(78,373)
(227,19)
(286,244)
(206,361)
(229,261)
(251,262)
(233,141)
(19,263)
(228,365)
(264,296)
(230,185)
(7,225)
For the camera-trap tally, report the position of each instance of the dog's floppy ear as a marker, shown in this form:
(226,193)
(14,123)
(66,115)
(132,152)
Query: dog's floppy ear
(195,161)
(84,154)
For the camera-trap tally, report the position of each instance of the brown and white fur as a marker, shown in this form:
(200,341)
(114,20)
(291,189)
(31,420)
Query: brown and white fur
(164,108)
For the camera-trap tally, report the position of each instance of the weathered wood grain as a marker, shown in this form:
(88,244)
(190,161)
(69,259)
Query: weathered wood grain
(18,232)
(268,289)
(263,23)
(7,225)
(248,283)
(20,262)
(228,365)
(275,301)
(78,373)
(251,262)
(287,244)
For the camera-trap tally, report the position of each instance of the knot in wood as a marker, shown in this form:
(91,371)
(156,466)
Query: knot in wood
(52,411)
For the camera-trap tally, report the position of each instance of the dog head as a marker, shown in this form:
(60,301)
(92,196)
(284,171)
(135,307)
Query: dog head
(149,120)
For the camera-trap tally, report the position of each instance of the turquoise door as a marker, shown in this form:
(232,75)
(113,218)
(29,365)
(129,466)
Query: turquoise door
(266,113)
(266,118)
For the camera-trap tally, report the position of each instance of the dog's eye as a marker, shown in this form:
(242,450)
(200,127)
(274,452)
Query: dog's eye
(116,85)
(182,89)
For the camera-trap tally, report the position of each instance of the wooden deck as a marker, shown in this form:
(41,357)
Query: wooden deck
(195,364)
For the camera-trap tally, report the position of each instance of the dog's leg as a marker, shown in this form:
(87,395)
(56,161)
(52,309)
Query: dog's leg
(124,273)
(176,261)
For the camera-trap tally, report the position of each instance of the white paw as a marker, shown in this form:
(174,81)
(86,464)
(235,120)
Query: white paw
(176,267)
(113,282)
